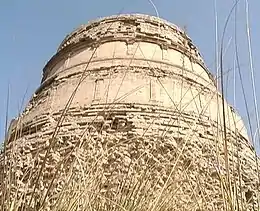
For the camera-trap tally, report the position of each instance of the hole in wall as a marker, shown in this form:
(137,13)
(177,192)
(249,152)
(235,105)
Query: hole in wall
(249,196)
(114,125)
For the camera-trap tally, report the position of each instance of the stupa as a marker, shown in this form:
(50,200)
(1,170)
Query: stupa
(128,109)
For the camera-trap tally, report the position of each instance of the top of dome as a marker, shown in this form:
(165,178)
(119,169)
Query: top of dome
(122,17)
(129,28)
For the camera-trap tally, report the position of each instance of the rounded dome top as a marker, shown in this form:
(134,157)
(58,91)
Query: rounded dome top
(131,28)
(122,17)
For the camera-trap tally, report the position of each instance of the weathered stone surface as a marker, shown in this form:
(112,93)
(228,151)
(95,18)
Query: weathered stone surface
(145,104)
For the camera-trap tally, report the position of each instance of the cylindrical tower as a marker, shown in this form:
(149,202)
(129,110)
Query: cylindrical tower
(128,108)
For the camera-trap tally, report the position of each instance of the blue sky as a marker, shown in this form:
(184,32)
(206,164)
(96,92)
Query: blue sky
(31,31)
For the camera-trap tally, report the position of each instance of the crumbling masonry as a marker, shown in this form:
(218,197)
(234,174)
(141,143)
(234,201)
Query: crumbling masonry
(143,103)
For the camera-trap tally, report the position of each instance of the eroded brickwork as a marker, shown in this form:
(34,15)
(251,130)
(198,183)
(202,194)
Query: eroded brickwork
(146,105)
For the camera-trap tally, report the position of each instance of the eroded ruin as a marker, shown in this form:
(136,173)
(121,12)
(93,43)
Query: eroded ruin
(138,99)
